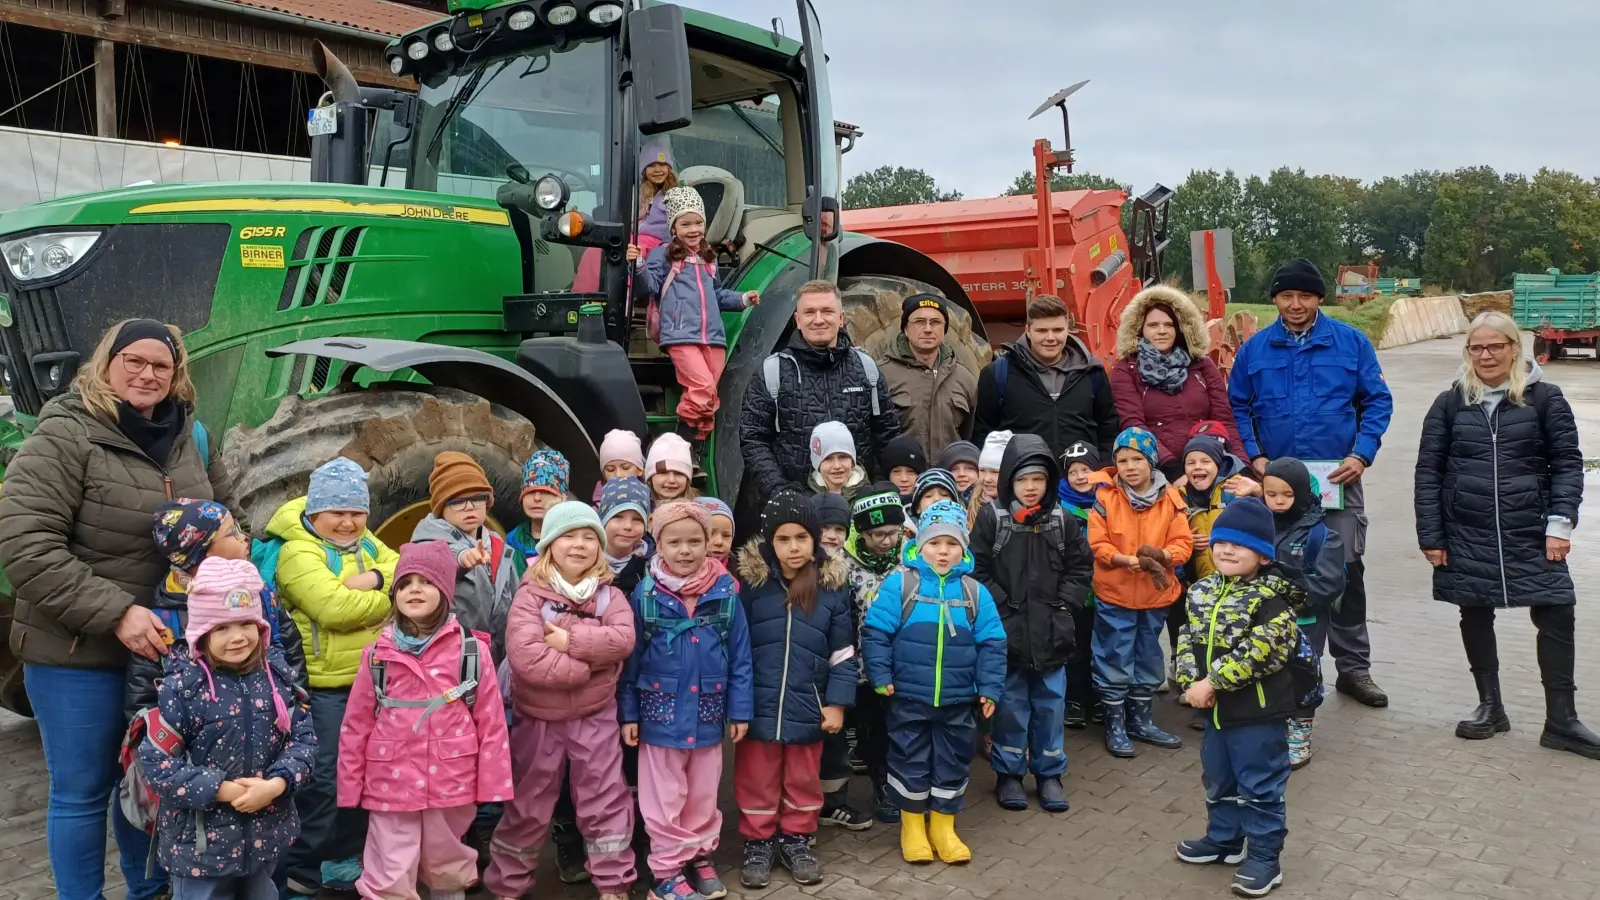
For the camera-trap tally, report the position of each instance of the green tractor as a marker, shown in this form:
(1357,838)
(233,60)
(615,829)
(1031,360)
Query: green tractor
(484,307)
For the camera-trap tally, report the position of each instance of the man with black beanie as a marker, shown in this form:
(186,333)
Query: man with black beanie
(1310,387)
(933,391)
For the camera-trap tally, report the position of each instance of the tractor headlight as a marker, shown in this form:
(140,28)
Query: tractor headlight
(443,42)
(521,19)
(46,255)
(397,64)
(606,13)
(551,193)
(417,50)
(565,14)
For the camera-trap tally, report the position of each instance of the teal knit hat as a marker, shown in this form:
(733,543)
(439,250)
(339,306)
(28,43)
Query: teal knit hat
(569,516)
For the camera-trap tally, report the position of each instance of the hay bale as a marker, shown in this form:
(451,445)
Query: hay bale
(1473,304)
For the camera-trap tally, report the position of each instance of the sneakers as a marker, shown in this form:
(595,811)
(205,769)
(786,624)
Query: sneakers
(341,874)
(885,810)
(794,853)
(1009,793)
(675,888)
(1365,691)
(701,873)
(1052,794)
(572,862)
(1077,717)
(1204,853)
(1117,743)
(1142,727)
(1257,878)
(757,871)
(1299,742)
(845,817)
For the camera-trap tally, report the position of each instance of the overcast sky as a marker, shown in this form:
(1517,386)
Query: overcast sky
(1350,87)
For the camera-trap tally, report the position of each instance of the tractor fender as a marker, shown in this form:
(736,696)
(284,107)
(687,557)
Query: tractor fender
(477,373)
(863,254)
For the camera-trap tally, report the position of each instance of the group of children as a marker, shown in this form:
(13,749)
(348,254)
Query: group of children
(381,709)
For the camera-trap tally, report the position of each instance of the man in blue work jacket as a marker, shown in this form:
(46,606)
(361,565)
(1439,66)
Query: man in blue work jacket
(1310,387)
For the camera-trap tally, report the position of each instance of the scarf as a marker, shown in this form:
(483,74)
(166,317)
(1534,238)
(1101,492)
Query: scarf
(155,435)
(1166,372)
(688,588)
(577,593)
(1069,494)
(1021,514)
(414,645)
(1147,499)
(618,563)
(1196,498)
(872,562)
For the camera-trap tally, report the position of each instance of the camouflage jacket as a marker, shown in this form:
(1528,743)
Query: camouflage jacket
(1241,634)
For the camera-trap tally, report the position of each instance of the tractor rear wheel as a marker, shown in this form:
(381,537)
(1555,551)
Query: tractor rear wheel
(872,315)
(394,431)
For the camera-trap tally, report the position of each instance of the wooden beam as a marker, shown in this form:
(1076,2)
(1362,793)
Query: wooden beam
(105,88)
(113,9)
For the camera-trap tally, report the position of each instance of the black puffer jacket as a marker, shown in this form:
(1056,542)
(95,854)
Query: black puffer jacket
(823,385)
(1036,584)
(1486,487)
(1084,410)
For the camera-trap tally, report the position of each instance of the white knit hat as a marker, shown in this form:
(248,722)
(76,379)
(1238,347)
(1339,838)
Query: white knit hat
(830,438)
(679,202)
(994,450)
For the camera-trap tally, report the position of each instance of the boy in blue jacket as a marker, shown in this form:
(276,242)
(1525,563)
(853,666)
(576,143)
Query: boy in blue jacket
(934,644)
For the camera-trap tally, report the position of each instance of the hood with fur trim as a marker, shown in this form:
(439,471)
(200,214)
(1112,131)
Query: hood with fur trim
(1191,322)
(754,568)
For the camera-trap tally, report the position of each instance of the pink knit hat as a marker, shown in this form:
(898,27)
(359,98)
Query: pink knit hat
(621,445)
(677,511)
(434,562)
(224,591)
(670,453)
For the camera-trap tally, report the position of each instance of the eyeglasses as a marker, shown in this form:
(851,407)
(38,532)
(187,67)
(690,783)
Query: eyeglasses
(929,323)
(234,532)
(135,365)
(460,503)
(1494,349)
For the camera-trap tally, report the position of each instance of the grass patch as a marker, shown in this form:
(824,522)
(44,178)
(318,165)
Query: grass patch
(1371,317)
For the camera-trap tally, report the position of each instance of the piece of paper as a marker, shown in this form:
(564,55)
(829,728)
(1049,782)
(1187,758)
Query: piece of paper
(1332,494)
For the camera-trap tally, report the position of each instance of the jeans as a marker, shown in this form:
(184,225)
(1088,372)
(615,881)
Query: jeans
(1128,661)
(81,724)
(255,886)
(1029,734)
(327,832)
(1555,645)
(1245,769)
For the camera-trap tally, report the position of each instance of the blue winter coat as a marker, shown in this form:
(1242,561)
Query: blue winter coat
(801,662)
(683,690)
(935,656)
(692,305)
(227,735)
(1321,398)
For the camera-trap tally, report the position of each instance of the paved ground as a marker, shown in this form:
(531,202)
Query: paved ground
(1393,804)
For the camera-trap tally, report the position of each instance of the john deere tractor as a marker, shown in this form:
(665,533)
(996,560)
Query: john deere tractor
(486,305)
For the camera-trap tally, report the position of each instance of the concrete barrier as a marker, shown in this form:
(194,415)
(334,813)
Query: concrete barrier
(1413,319)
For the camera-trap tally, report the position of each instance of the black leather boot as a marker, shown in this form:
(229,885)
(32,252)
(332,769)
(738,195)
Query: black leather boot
(1489,718)
(1562,730)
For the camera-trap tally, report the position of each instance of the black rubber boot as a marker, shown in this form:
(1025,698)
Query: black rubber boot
(1489,718)
(1562,730)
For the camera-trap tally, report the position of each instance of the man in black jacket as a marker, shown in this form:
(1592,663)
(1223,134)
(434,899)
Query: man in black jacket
(1048,384)
(819,377)
(1034,558)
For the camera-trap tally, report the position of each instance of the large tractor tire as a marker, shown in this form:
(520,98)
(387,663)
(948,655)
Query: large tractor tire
(872,316)
(394,431)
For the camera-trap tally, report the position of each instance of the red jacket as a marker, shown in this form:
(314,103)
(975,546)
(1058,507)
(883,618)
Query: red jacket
(1170,416)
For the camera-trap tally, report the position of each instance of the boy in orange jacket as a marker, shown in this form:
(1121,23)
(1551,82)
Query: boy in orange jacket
(1139,532)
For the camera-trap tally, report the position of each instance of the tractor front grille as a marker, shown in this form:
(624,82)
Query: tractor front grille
(317,274)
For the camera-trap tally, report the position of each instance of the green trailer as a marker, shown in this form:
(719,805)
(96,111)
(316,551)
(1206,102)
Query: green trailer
(1562,311)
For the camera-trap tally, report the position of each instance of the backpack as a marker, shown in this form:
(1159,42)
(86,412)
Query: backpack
(1305,674)
(650,615)
(202,441)
(137,799)
(1006,526)
(1002,372)
(652,315)
(264,554)
(465,690)
(911,580)
(772,366)
(1534,397)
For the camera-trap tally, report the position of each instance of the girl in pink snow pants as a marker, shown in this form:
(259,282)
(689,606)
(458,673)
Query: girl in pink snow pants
(687,683)
(567,636)
(421,747)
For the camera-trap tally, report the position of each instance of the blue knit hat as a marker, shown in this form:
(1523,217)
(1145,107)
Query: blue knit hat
(1248,523)
(338,485)
(622,494)
(933,478)
(569,515)
(943,519)
(1137,439)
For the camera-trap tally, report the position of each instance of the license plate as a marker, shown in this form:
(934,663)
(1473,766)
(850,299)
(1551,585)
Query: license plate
(323,120)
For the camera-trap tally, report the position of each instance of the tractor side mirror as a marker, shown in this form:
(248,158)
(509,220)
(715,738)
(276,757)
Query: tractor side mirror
(663,94)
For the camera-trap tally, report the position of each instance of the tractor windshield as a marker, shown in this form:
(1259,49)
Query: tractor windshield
(543,108)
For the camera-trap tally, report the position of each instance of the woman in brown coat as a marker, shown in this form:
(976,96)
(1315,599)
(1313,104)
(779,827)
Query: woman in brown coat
(76,543)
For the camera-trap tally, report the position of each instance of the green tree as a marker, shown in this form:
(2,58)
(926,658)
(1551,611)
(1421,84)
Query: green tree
(1396,212)
(1061,181)
(1293,214)
(1207,199)
(893,186)
(1469,245)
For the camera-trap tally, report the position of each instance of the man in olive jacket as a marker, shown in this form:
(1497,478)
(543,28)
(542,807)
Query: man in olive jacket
(934,392)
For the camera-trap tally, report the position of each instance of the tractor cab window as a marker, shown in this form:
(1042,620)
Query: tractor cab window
(743,138)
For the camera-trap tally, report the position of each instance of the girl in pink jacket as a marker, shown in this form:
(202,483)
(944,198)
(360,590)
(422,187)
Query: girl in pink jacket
(424,738)
(567,637)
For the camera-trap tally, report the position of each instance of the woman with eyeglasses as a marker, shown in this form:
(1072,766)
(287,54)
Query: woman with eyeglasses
(1498,484)
(75,526)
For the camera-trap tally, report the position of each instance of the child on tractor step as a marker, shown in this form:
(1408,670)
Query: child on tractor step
(1234,656)
(459,500)
(544,484)
(1034,558)
(333,575)
(688,300)
(1139,530)
(1083,473)
(934,645)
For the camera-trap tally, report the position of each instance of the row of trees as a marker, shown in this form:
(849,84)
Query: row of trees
(1469,230)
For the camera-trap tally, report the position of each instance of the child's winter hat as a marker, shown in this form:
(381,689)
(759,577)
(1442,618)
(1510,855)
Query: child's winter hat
(622,445)
(994,450)
(1211,427)
(620,495)
(904,450)
(569,515)
(1248,523)
(876,506)
(830,509)
(547,471)
(455,475)
(959,452)
(829,438)
(1137,439)
(670,453)
(339,485)
(434,562)
(656,151)
(1081,452)
(715,507)
(1210,445)
(943,519)
(224,591)
(184,529)
(789,508)
(676,511)
(932,478)
(681,201)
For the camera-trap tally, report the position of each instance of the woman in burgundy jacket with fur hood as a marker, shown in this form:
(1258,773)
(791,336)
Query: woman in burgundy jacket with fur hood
(1162,379)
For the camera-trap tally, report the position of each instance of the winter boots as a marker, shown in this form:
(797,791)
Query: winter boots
(1562,730)
(1300,742)
(914,844)
(1141,726)
(942,832)
(1489,718)
(1010,793)
(1117,743)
